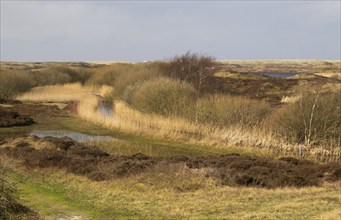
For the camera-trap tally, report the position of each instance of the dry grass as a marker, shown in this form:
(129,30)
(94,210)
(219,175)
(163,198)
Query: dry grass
(132,121)
(283,61)
(331,87)
(169,192)
(330,75)
(208,200)
(290,99)
(231,111)
(6,105)
(307,66)
(239,76)
(184,196)
(64,93)
(108,62)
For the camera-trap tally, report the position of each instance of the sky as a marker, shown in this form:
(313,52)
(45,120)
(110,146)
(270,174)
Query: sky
(157,30)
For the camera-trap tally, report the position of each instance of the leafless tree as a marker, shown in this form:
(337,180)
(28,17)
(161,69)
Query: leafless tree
(190,67)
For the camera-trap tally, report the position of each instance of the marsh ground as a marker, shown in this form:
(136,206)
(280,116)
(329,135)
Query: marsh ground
(141,176)
(150,186)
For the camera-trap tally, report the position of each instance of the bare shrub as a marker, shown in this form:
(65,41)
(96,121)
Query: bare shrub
(108,74)
(223,111)
(13,82)
(82,75)
(164,96)
(192,68)
(60,74)
(124,78)
(314,119)
(126,84)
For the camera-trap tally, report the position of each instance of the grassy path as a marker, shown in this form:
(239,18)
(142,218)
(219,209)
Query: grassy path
(52,200)
(154,197)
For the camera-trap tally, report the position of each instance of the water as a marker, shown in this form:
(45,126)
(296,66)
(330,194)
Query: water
(275,74)
(126,146)
(79,137)
(105,110)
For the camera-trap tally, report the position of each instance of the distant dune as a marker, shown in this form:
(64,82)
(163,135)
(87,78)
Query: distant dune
(107,62)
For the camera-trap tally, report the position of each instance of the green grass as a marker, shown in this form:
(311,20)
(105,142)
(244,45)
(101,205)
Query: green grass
(163,148)
(158,196)
(127,144)
(52,199)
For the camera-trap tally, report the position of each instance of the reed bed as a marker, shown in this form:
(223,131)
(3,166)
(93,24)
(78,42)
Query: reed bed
(132,121)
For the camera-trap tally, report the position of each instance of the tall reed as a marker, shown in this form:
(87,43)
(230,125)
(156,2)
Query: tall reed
(132,121)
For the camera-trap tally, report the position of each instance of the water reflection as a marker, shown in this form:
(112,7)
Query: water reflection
(105,110)
(80,137)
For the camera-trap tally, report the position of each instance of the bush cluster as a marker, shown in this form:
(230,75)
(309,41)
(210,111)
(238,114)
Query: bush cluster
(124,77)
(59,74)
(107,75)
(164,96)
(224,111)
(193,68)
(313,119)
(13,82)
(173,88)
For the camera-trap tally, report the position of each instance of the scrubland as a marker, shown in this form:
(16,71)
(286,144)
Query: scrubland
(241,118)
(147,102)
(194,102)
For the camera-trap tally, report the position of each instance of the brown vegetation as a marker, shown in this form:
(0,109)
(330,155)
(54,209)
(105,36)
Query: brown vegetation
(190,99)
(232,169)
(315,119)
(13,82)
(124,77)
(215,110)
(191,68)
(10,118)
(268,89)
(132,121)
(36,109)
(164,97)
(226,111)
(16,81)
(305,66)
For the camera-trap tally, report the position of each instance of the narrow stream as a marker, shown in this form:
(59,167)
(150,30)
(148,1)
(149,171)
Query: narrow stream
(124,146)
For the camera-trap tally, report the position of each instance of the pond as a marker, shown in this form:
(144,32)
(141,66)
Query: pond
(80,137)
(130,147)
(274,74)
